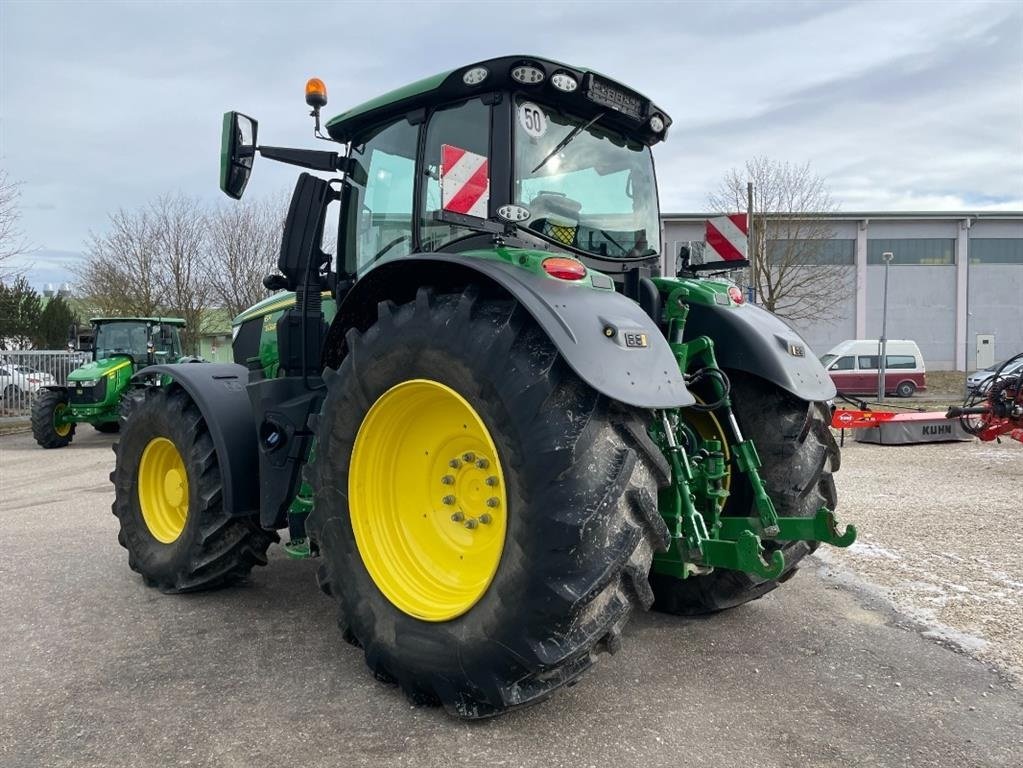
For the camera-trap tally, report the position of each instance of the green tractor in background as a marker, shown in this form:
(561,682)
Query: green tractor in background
(523,421)
(94,392)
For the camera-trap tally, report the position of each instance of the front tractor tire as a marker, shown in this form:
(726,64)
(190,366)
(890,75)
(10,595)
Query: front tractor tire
(486,519)
(169,502)
(46,412)
(799,456)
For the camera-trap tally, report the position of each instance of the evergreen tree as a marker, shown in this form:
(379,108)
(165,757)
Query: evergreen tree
(54,323)
(20,311)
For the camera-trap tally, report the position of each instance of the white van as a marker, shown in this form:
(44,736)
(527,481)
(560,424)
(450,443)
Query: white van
(852,365)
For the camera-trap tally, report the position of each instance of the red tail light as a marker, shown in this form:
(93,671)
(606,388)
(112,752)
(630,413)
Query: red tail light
(563,268)
(736,295)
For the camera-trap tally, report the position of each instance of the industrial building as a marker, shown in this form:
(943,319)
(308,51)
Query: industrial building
(955,284)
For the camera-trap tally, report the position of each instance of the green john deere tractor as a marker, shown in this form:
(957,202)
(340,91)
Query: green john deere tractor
(524,420)
(94,392)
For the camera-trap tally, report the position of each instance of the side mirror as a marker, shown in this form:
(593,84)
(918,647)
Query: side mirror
(237,151)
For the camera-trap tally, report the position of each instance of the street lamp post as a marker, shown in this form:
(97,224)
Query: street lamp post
(882,343)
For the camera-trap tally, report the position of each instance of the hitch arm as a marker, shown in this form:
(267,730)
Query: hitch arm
(822,527)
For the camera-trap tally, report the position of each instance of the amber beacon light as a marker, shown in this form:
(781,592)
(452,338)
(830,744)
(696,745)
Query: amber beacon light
(315,93)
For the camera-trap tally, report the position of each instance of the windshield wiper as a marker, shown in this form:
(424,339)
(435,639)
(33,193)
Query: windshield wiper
(566,141)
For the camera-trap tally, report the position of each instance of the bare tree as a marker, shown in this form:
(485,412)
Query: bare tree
(798,269)
(12,241)
(152,261)
(119,272)
(182,229)
(244,242)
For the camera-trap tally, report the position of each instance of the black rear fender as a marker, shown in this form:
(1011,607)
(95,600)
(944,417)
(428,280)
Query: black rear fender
(607,339)
(751,339)
(219,390)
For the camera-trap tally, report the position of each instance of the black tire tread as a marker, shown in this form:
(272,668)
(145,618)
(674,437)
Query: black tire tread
(586,593)
(42,420)
(222,549)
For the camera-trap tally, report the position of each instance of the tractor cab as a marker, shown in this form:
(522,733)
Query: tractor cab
(153,339)
(543,156)
(559,155)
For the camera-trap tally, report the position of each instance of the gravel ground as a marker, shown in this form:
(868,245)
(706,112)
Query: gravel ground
(941,536)
(98,671)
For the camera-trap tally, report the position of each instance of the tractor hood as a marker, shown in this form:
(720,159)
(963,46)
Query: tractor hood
(274,303)
(97,369)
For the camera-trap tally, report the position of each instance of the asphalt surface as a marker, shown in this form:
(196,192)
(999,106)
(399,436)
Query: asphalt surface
(98,670)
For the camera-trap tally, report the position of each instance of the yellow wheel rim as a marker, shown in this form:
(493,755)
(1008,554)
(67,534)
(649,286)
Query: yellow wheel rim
(427,498)
(63,430)
(706,425)
(163,490)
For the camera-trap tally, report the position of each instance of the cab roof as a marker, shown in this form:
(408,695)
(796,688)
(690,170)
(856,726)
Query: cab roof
(631,110)
(163,320)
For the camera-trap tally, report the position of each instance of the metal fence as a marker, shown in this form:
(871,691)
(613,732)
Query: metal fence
(24,373)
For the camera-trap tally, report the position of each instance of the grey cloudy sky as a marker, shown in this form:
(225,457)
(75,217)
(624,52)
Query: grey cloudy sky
(901,105)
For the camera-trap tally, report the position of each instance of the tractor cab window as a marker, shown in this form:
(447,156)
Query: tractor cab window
(379,203)
(127,338)
(166,342)
(133,337)
(465,130)
(586,186)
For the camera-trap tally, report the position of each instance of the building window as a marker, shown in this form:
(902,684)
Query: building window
(996,250)
(917,250)
(812,253)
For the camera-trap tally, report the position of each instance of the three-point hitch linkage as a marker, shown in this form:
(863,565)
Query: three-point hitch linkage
(702,537)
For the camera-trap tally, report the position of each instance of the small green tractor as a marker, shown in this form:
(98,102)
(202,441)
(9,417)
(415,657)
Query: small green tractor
(94,393)
(505,416)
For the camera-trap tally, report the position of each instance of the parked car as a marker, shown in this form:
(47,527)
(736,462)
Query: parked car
(853,367)
(976,379)
(20,380)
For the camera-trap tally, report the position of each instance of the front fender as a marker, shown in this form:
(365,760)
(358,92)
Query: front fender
(751,339)
(591,328)
(219,391)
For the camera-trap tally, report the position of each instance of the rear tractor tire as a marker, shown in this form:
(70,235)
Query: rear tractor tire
(47,407)
(486,519)
(799,456)
(169,502)
(107,427)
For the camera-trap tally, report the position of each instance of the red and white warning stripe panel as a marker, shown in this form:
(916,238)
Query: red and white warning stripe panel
(726,238)
(464,182)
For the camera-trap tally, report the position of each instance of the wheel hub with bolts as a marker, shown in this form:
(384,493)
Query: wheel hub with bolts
(427,500)
(471,479)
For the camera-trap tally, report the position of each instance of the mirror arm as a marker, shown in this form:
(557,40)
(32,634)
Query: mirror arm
(314,159)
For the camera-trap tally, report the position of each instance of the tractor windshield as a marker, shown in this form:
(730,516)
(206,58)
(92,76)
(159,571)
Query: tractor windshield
(594,191)
(132,337)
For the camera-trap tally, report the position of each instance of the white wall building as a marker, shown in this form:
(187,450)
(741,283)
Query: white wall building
(956,280)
